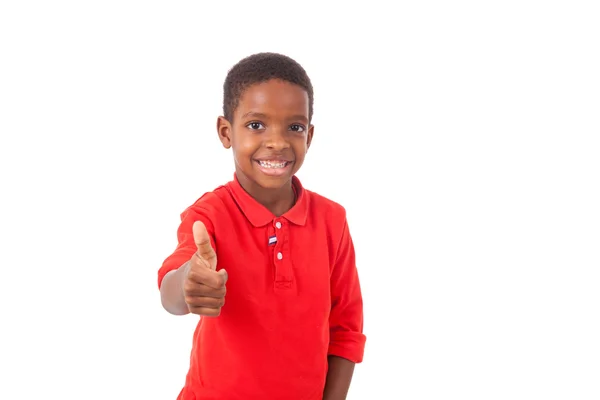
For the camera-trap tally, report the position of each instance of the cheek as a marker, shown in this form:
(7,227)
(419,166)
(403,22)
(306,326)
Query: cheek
(301,148)
(243,149)
(246,149)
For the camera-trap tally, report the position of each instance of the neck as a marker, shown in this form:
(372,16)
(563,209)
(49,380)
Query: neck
(276,200)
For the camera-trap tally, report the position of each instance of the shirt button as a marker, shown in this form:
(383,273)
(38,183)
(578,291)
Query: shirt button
(279,256)
(278,225)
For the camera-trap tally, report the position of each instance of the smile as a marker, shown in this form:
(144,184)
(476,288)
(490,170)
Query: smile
(273,164)
(274,168)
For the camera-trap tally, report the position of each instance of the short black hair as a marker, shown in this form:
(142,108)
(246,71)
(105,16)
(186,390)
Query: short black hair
(259,68)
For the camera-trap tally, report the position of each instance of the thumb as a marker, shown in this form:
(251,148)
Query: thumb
(202,240)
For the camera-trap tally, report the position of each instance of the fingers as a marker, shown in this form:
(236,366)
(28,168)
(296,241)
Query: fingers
(204,289)
(202,240)
(204,311)
(204,302)
(199,290)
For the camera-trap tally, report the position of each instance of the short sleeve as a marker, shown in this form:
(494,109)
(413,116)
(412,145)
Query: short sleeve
(185,240)
(346,318)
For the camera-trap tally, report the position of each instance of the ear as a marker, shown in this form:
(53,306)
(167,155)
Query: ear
(309,136)
(224,132)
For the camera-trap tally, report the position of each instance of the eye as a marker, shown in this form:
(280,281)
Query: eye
(254,126)
(297,128)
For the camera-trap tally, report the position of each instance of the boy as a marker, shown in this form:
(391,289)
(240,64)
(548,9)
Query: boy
(282,256)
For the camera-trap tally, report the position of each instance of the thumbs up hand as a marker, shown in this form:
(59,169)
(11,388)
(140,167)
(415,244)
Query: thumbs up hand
(204,287)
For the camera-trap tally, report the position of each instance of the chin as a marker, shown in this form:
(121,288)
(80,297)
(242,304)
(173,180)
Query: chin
(269,182)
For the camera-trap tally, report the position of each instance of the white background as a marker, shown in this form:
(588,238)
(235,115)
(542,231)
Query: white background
(462,137)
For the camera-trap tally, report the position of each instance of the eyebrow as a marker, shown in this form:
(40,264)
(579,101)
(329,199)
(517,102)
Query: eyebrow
(254,114)
(300,117)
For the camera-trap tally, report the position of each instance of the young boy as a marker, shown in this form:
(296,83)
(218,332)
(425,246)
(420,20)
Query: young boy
(282,256)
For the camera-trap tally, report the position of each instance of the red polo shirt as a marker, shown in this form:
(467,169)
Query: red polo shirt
(293,297)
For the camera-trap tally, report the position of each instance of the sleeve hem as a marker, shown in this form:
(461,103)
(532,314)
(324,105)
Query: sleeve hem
(351,347)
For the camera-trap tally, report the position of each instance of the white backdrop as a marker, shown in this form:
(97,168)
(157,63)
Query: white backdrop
(462,137)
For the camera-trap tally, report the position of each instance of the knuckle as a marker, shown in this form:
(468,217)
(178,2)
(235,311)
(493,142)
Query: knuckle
(192,274)
(196,275)
(211,312)
(196,310)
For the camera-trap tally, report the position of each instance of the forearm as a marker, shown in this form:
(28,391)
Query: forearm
(171,292)
(339,376)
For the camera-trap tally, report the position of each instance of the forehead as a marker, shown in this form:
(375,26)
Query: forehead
(274,97)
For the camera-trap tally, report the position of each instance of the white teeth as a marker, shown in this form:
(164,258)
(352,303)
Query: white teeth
(273,164)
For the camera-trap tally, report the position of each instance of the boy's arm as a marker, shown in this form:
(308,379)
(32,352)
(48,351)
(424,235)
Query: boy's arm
(339,376)
(347,341)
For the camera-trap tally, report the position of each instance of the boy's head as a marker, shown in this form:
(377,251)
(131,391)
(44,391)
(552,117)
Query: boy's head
(259,68)
(267,107)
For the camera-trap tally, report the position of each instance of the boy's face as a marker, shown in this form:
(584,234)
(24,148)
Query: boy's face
(270,133)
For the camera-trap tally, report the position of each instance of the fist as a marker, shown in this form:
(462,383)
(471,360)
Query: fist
(204,287)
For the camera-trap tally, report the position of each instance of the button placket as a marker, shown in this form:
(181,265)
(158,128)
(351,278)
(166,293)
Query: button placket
(283,270)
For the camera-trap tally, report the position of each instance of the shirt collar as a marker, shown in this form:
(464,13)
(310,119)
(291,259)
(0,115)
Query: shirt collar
(259,215)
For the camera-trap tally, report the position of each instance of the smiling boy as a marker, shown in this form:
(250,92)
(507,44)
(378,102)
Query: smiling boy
(281,255)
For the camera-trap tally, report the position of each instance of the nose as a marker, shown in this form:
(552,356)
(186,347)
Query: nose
(276,139)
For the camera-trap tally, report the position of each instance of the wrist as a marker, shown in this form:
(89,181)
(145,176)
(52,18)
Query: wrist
(172,291)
